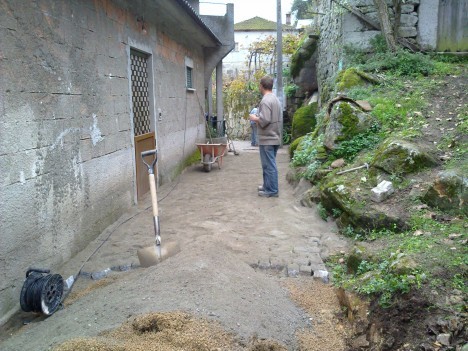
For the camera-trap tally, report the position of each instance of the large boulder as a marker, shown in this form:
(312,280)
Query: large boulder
(352,77)
(303,66)
(304,120)
(402,157)
(357,211)
(449,192)
(346,120)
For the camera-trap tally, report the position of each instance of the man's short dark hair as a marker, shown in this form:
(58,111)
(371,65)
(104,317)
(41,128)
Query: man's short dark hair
(267,83)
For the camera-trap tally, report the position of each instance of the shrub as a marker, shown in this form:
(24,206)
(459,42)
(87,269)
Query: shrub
(401,63)
(293,146)
(291,90)
(348,149)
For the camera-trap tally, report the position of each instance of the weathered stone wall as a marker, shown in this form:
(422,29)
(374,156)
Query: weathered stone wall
(358,34)
(338,28)
(330,46)
(66,142)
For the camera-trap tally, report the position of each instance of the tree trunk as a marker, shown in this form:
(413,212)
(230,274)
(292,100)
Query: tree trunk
(396,23)
(386,27)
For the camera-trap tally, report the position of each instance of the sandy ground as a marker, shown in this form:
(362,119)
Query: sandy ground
(238,254)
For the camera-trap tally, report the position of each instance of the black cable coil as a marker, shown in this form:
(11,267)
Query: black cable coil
(41,292)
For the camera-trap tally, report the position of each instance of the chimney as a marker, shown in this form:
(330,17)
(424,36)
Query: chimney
(288,19)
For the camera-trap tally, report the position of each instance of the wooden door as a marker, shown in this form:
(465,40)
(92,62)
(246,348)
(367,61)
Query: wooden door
(453,30)
(143,130)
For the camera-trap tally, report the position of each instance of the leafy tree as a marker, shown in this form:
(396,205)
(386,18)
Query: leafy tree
(262,53)
(302,9)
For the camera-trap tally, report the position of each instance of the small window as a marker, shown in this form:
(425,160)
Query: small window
(189,77)
(189,84)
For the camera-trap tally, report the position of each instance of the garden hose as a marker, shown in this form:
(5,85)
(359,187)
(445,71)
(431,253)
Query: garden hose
(41,292)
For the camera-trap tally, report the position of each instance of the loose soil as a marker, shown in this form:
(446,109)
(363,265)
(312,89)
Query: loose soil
(242,280)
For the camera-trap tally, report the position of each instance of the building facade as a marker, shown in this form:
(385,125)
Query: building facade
(85,87)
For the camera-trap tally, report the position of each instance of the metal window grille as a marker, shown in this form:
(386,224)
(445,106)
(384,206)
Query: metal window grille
(189,77)
(140,100)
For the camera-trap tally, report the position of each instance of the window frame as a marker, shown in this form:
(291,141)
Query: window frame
(189,83)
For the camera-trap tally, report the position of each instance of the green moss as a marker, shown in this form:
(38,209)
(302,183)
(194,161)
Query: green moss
(348,78)
(293,146)
(302,55)
(188,161)
(348,120)
(304,120)
(400,157)
(321,153)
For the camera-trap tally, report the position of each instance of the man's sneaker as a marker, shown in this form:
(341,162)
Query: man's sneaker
(260,188)
(264,194)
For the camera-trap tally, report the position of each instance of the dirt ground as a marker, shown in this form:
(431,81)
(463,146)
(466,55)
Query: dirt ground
(245,267)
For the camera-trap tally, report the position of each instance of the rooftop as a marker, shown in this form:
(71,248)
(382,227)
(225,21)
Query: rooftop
(258,24)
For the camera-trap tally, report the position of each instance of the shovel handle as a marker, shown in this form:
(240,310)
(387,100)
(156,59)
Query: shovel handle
(150,153)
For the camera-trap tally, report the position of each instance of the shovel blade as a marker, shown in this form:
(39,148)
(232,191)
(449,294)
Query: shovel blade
(149,256)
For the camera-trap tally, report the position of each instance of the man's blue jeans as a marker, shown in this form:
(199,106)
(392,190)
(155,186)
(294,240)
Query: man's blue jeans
(254,136)
(270,171)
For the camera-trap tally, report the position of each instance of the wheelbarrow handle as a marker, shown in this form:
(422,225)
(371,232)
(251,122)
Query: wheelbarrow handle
(150,153)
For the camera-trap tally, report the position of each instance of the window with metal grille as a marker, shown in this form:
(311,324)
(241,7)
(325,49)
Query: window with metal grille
(140,97)
(189,77)
(189,73)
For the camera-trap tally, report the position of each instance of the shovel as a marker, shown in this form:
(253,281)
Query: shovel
(149,256)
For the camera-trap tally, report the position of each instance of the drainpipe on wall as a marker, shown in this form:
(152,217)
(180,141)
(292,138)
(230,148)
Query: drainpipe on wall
(219,96)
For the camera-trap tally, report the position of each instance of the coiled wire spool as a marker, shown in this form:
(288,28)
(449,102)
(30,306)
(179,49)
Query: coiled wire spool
(41,292)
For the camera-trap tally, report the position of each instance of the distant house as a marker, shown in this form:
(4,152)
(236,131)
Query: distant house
(246,33)
(85,86)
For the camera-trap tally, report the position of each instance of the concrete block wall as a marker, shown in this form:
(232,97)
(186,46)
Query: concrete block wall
(66,141)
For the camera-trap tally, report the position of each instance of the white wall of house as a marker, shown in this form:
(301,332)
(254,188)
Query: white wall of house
(66,146)
(236,61)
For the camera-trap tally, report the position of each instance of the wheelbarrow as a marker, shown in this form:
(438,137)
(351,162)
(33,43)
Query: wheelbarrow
(210,154)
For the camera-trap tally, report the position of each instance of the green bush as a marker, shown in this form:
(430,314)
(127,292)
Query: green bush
(291,90)
(305,151)
(400,63)
(304,120)
(348,149)
(380,278)
(293,146)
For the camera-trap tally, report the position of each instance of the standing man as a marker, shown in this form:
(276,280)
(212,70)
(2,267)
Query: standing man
(268,119)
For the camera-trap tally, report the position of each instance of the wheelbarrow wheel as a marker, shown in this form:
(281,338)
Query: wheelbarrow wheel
(207,160)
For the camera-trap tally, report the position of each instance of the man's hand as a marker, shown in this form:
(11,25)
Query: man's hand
(254,118)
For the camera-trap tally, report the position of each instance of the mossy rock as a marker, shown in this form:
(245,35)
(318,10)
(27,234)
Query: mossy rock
(353,77)
(357,255)
(304,120)
(293,176)
(293,146)
(369,218)
(345,122)
(449,192)
(401,157)
(322,154)
(357,211)
(302,55)
(404,266)
(310,197)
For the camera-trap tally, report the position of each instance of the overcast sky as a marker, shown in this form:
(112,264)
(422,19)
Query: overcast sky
(245,9)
